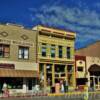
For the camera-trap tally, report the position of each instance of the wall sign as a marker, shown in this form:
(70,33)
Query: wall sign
(15,42)
(7,66)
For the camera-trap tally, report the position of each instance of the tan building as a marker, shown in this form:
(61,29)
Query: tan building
(18,67)
(92,54)
(55,56)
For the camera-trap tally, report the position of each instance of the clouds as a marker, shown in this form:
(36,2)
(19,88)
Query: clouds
(85,22)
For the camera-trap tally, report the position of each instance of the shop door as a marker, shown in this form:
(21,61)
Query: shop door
(29,84)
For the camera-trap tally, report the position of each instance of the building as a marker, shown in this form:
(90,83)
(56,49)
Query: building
(55,56)
(18,67)
(92,54)
(80,70)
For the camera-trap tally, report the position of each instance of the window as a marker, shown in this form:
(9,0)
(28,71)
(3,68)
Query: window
(70,68)
(68,53)
(80,69)
(60,51)
(23,52)
(43,49)
(14,83)
(52,50)
(4,51)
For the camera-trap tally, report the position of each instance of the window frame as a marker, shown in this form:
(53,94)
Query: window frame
(53,47)
(44,45)
(82,69)
(23,48)
(3,51)
(60,55)
(68,52)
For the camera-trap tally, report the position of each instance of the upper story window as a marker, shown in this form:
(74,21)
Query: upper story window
(52,50)
(4,51)
(68,53)
(80,69)
(44,49)
(23,52)
(60,52)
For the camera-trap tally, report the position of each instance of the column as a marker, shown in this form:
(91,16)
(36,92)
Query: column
(72,53)
(45,82)
(64,52)
(53,75)
(39,49)
(48,50)
(57,53)
(94,82)
(74,79)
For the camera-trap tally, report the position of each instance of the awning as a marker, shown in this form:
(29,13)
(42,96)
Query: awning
(17,73)
(94,68)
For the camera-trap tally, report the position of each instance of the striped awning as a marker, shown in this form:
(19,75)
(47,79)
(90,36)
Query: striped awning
(17,73)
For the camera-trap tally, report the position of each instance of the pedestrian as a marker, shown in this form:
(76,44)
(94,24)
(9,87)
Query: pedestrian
(5,90)
(62,87)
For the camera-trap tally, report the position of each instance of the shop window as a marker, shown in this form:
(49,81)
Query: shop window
(68,52)
(60,52)
(23,52)
(14,83)
(52,50)
(70,68)
(4,51)
(43,49)
(80,69)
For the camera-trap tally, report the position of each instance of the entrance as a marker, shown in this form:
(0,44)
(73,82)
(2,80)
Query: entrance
(60,73)
(52,73)
(29,84)
(95,76)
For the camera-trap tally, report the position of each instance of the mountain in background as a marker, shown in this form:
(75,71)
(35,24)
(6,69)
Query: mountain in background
(90,50)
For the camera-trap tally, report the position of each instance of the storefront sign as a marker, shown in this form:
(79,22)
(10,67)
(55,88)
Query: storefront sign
(15,42)
(6,65)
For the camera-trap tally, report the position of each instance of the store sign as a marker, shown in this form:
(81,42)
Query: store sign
(6,65)
(14,42)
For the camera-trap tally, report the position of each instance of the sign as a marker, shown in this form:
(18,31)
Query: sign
(15,42)
(7,66)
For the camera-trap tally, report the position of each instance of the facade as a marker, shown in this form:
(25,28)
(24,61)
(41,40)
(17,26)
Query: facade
(55,56)
(80,66)
(18,67)
(93,75)
(92,55)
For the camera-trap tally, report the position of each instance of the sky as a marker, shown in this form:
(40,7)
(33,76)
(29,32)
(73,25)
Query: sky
(80,16)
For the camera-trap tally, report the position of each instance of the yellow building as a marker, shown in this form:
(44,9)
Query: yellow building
(18,67)
(55,56)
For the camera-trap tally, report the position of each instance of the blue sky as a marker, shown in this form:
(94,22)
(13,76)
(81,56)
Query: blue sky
(81,16)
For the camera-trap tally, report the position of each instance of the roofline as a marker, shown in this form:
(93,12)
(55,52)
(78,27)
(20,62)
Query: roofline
(55,28)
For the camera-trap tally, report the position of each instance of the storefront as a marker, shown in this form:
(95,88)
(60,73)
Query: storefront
(52,75)
(18,81)
(94,71)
